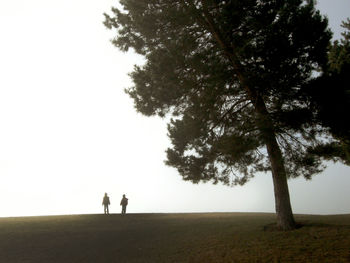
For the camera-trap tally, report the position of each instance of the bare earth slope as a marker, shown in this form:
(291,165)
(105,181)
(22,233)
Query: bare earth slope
(214,237)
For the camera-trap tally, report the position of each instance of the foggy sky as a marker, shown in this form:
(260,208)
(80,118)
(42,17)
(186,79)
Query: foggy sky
(69,133)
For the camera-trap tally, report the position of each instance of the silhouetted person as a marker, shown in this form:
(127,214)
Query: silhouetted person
(124,203)
(106,203)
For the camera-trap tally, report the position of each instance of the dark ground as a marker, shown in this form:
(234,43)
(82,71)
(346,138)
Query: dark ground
(214,237)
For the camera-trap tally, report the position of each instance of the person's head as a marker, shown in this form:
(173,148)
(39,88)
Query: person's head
(124,195)
(105,194)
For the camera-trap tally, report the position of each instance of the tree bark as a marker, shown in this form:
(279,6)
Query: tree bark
(285,218)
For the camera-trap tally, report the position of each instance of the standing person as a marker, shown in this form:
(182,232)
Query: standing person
(106,203)
(124,203)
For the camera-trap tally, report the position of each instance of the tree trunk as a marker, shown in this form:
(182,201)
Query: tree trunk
(285,219)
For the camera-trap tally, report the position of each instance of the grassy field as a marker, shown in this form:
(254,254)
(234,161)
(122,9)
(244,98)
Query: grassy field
(216,237)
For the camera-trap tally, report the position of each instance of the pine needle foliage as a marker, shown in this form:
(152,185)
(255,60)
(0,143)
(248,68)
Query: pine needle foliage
(215,130)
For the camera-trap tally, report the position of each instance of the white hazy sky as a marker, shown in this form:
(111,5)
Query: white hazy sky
(68,132)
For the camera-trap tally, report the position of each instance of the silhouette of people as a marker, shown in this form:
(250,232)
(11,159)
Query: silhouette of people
(124,203)
(106,203)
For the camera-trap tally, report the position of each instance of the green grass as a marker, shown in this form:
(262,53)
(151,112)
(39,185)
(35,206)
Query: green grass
(216,237)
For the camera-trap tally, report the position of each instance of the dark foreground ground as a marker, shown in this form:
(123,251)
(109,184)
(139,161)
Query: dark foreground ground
(218,237)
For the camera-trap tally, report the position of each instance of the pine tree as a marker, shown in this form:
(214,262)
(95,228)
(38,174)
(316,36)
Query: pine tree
(329,97)
(231,75)
(339,55)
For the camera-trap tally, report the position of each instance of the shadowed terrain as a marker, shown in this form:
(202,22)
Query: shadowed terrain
(213,237)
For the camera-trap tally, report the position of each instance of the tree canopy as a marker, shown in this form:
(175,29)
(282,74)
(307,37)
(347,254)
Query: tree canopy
(330,99)
(232,75)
